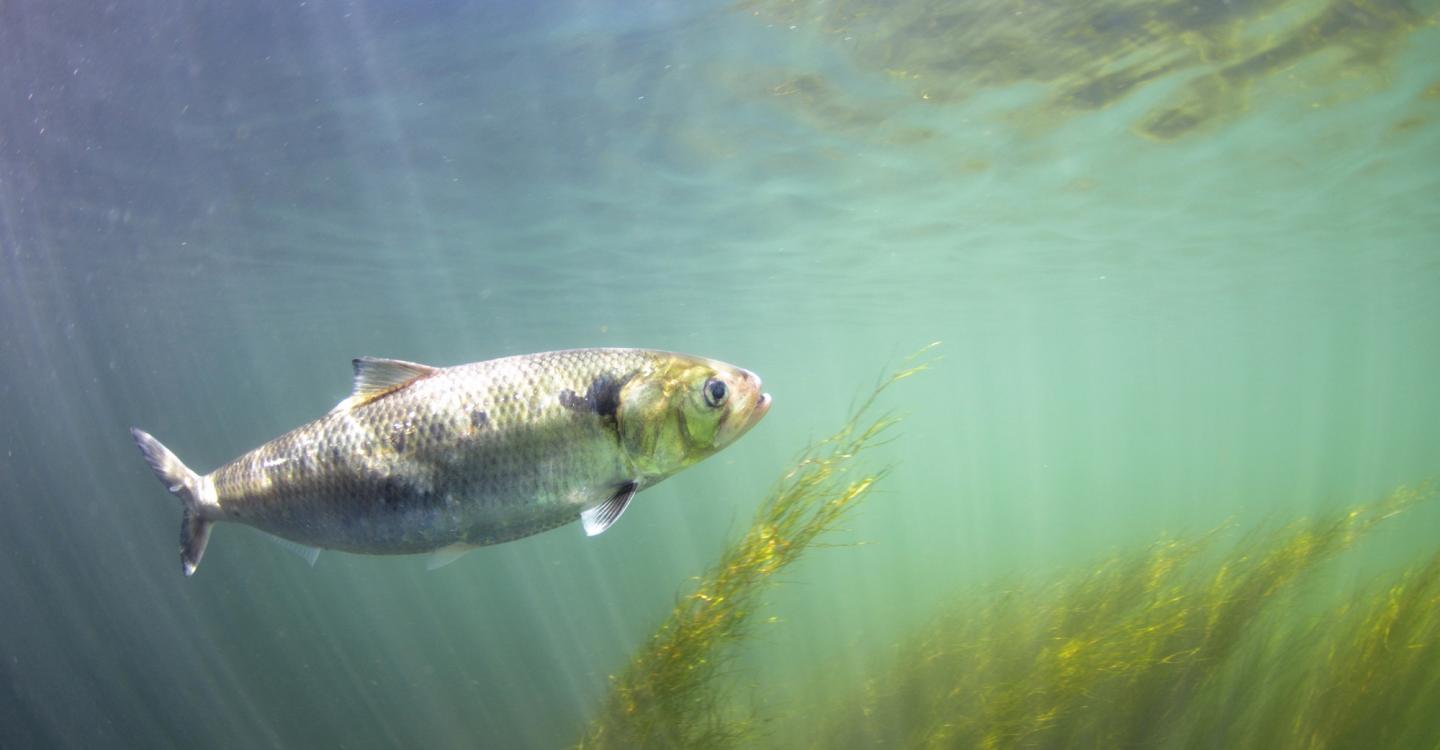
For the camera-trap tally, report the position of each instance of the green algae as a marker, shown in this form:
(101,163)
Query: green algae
(1179,645)
(1218,55)
(670,695)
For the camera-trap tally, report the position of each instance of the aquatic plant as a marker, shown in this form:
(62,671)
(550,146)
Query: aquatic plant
(1376,677)
(1087,56)
(669,695)
(1184,643)
(1176,646)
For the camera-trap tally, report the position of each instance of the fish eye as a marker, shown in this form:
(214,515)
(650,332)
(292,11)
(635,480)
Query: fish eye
(715,392)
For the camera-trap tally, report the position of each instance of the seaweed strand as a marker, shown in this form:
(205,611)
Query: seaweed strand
(668,695)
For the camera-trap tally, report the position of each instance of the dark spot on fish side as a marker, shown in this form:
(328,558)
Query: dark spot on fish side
(397,440)
(601,398)
(569,400)
(604,394)
(398,493)
(479,419)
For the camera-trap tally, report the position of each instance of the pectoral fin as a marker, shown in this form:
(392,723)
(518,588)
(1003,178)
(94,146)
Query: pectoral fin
(602,516)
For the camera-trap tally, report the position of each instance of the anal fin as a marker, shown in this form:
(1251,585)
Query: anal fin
(446,555)
(304,551)
(603,516)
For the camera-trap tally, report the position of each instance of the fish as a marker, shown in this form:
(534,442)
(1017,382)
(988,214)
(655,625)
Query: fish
(442,460)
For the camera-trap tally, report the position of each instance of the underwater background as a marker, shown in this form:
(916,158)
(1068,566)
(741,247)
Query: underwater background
(1183,257)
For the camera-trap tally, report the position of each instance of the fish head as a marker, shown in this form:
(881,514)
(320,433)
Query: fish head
(683,409)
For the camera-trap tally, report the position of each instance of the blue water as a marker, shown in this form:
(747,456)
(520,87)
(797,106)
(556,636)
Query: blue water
(207,211)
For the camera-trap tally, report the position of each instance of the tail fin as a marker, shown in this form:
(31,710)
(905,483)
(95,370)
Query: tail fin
(186,485)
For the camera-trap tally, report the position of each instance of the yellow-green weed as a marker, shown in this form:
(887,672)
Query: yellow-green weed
(668,696)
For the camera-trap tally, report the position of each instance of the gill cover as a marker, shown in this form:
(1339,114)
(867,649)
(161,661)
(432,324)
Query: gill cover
(683,410)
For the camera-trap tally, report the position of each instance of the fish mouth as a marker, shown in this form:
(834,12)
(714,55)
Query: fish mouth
(762,404)
(757,412)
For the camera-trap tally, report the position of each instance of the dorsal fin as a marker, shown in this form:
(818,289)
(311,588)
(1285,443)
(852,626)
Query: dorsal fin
(375,377)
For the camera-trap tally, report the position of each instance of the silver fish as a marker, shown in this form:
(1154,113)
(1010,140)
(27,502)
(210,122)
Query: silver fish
(446,459)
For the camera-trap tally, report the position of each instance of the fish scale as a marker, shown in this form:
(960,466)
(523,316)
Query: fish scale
(421,458)
(410,457)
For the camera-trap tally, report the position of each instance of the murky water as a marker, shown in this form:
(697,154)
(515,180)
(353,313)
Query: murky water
(1184,260)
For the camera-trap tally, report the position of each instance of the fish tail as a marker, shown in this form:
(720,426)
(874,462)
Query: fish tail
(186,485)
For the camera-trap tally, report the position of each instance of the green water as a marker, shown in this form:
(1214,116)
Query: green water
(206,213)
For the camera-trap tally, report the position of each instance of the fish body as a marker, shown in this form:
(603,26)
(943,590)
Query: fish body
(422,459)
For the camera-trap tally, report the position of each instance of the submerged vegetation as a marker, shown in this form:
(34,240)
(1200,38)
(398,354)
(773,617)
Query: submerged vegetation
(1087,56)
(1177,646)
(1181,644)
(1185,643)
(670,696)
